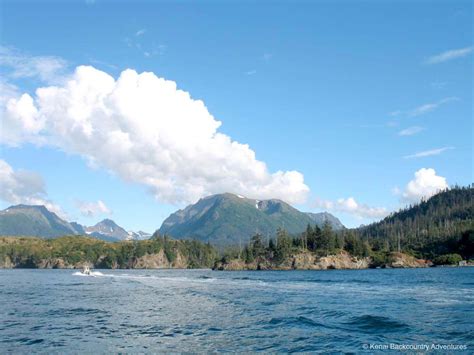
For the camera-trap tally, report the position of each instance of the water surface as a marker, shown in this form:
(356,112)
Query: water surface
(203,310)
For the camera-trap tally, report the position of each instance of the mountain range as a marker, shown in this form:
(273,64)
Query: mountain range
(223,219)
(228,219)
(35,221)
(38,221)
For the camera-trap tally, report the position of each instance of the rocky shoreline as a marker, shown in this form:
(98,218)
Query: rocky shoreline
(309,261)
(147,261)
(299,261)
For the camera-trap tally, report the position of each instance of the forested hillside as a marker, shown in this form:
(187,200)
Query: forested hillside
(75,252)
(440,229)
(442,224)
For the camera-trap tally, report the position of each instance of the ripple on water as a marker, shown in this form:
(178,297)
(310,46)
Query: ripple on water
(245,312)
(60,312)
(299,321)
(370,323)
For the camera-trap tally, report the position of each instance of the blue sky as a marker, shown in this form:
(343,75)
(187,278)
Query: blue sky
(357,97)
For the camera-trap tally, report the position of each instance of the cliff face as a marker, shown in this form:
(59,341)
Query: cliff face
(309,261)
(400,260)
(147,261)
(159,261)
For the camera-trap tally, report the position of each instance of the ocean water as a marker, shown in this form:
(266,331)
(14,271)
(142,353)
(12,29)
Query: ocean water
(210,311)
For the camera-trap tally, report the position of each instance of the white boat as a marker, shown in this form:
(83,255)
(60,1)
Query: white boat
(86,270)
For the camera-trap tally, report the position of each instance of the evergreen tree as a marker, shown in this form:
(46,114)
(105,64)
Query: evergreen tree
(283,247)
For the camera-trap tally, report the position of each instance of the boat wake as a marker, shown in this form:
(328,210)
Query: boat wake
(92,273)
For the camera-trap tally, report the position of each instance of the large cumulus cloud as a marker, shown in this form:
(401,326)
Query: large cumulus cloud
(144,129)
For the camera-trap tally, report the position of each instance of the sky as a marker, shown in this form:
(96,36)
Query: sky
(130,110)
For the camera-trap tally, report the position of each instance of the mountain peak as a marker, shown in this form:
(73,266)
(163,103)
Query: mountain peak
(107,229)
(107,222)
(35,221)
(229,219)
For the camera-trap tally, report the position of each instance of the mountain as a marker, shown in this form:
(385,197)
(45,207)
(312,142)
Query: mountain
(107,230)
(38,221)
(24,220)
(110,231)
(320,218)
(228,219)
(140,235)
(79,228)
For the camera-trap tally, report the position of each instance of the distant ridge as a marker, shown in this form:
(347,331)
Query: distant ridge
(38,221)
(111,231)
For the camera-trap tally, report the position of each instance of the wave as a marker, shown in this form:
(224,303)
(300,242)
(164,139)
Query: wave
(61,312)
(380,323)
(296,321)
(93,273)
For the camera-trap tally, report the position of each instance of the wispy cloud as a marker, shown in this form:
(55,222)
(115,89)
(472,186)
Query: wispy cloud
(146,50)
(23,186)
(92,209)
(102,63)
(48,69)
(449,55)
(423,109)
(251,72)
(140,32)
(428,153)
(410,131)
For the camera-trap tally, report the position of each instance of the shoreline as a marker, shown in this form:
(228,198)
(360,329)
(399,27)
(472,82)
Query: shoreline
(253,270)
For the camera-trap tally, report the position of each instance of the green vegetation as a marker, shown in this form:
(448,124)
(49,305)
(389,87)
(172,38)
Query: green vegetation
(444,224)
(34,221)
(448,259)
(72,250)
(320,241)
(439,229)
(229,220)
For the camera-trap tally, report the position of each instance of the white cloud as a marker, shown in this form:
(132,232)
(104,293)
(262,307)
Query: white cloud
(352,207)
(428,153)
(49,69)
(92,209)
(251,72)
(140,32)
(410,131)
(425,184)
(449,55)
(423,109)
(145,130)
(7,91)
(20,121)
(24,187)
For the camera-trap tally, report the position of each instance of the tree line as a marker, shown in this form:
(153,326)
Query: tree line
(30,252)
(432,229)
